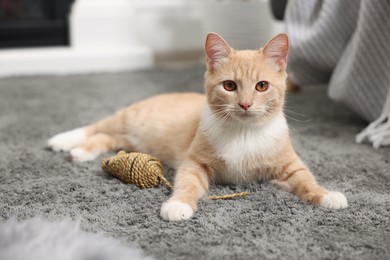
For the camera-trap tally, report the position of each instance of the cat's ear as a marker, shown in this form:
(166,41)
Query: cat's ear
(217,50)
(276,50)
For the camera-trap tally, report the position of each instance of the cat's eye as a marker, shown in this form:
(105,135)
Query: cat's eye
(262,86)
(229,85)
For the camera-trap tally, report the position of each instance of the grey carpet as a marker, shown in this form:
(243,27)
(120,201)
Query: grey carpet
(269,224)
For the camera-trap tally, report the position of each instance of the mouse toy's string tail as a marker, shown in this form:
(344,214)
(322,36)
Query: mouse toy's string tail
(229,196)
(166,182)
(220,197)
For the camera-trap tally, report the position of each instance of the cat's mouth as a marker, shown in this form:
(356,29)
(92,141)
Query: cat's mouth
(245,115)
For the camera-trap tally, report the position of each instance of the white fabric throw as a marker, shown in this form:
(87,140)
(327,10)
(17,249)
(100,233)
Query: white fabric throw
(39,239)
(347,45)
(378,132)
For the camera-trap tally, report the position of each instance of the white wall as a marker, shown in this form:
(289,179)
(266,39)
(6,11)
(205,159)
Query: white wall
(112,35)
(170,26)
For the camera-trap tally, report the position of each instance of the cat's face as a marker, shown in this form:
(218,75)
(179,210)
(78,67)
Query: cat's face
(246,86)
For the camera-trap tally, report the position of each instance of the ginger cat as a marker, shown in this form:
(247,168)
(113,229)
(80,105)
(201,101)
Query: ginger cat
(236,133)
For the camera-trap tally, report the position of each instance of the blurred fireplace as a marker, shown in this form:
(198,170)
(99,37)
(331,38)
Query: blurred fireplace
(32,23)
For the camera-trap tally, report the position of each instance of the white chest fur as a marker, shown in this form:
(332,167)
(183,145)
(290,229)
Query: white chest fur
(243,147)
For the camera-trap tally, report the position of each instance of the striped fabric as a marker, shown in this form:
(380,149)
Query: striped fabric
(345,44)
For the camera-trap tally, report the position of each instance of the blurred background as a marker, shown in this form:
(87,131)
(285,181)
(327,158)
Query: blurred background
(81,36)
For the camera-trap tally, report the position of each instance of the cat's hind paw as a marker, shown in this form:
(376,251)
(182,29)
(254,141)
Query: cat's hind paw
(67,140)
(80,155)
(334,200)
(174,210)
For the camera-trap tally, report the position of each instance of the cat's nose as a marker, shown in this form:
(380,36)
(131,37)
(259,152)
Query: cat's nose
(245,106)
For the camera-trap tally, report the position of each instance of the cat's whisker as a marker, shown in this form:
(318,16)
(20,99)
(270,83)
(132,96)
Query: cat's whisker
(290,101)
(221,107)
(290,127)
(294,131)
(221,121)
(298,120)
(260,112)
(293,112)
(287,111)
(225,118)
(217,120)
(218,105)
(219,113)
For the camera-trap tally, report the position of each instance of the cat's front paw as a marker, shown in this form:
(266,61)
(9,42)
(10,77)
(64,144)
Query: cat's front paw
(334,200)
(174,210)
(67,140)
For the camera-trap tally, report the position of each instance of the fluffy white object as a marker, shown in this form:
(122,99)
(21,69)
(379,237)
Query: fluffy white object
(38,239)
(67,140)
(81,155)
(378,132)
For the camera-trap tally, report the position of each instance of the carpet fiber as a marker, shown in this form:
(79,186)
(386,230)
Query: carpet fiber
(268,224)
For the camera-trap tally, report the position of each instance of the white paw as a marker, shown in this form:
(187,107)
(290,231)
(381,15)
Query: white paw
(81,155)
(334,200)
(67,140)
(174,210)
